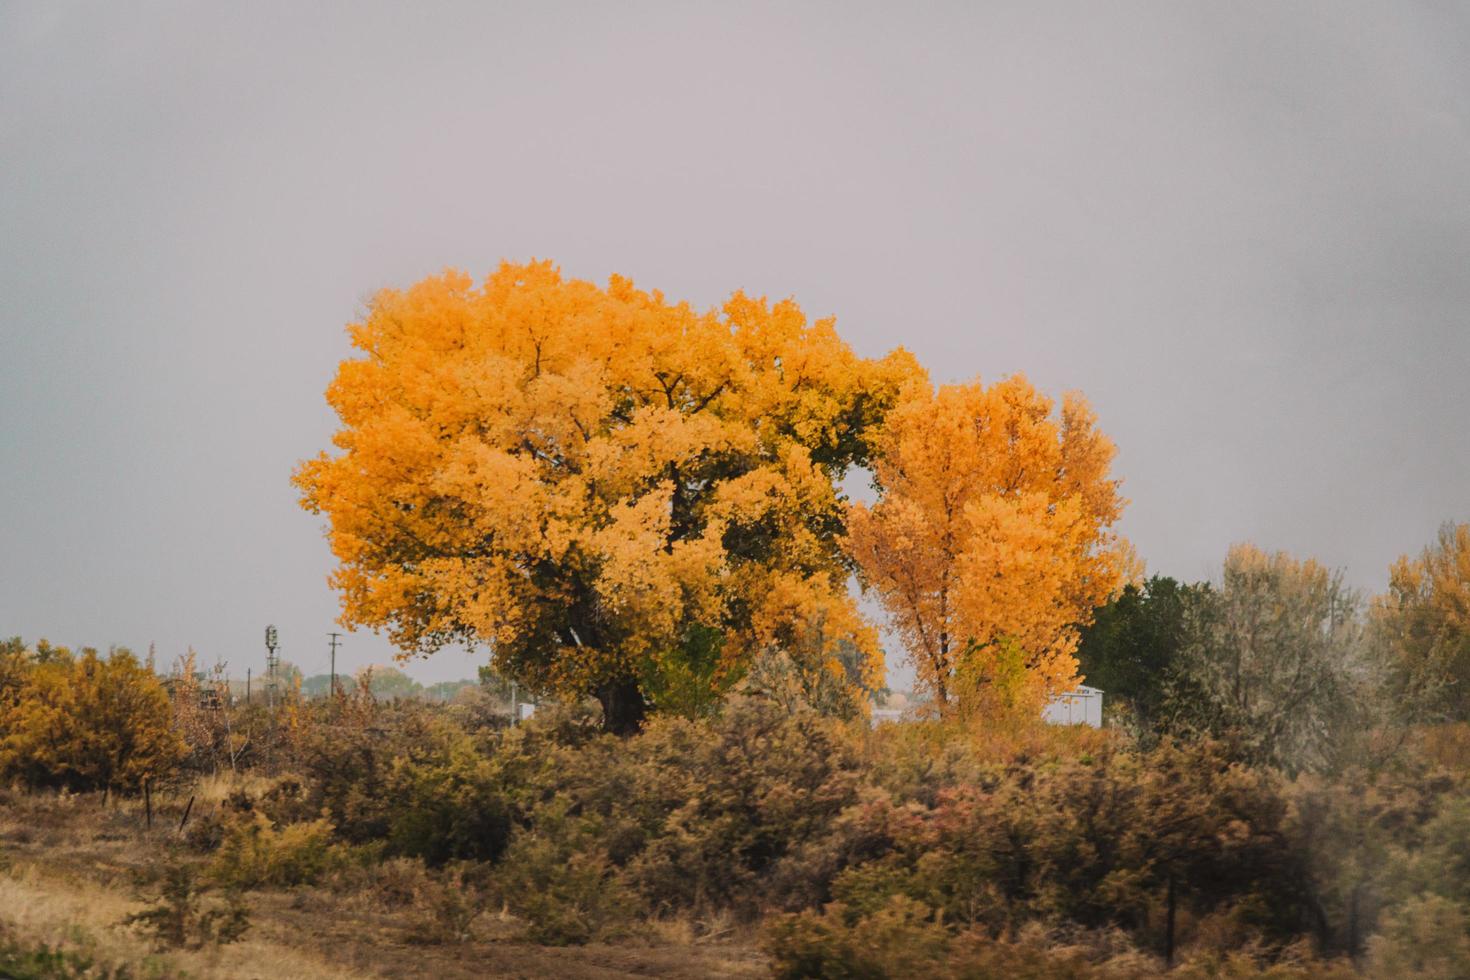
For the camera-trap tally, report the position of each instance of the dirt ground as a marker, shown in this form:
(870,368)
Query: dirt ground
(71,869)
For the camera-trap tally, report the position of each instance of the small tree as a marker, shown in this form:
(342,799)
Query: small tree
(992,532)
(89,722)
(1277,656)
(178,918)
(390,682)
(1135,650)
(1424,619)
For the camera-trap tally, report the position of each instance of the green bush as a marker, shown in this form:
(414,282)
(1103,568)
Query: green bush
(897,940)
(448,807)
(561,882)
(255,853)
(1427,936)
(20,960)
(179,919)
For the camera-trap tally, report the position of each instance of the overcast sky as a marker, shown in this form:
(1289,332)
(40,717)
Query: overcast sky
(1243,230)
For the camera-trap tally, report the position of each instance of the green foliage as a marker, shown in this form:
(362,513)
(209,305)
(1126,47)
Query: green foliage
(1367,841)
(776,676)
(256,853)
(685,681)
(1426,937)
(447,804)
(898,939)
(390,682)
(1134,651)
(445,690)
(28,961)
(179,919)
(1274,661)
(407,775)
(1280,660)
(318,685)
(559,878)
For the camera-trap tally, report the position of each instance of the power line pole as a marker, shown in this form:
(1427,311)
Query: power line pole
(271,660)
(334,637)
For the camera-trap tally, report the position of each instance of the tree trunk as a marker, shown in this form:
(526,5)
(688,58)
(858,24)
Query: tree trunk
(1169,926)
(1352,937)
(623,707)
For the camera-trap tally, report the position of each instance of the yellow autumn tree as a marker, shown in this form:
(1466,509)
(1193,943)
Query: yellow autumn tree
(991,540)
(86,722)
(621,495)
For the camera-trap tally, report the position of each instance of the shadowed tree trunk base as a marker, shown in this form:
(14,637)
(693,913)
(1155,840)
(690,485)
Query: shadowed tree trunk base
(623,707)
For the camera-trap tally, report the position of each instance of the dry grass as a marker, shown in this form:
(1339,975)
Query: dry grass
(72,870)
(69,914)
(214,789)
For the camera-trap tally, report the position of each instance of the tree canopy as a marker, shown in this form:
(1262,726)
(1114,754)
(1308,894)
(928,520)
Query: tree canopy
(991,540)
(1425,619)
(84,721)
(1135,649)
(617,493)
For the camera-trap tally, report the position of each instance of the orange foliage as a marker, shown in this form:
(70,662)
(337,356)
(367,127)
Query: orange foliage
(991,534)
(595,480)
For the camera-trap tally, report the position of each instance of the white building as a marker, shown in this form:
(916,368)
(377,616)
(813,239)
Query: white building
(1080,707)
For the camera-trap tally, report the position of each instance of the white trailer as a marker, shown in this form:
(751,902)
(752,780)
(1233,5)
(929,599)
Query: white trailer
(1080,707)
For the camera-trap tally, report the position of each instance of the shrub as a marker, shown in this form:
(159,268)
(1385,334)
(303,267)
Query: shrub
(1427,936)
(448,807)
(1365,842)
(21,960)
(255,853)
(897,940)
(759,793)
(737,811)
(86,722)
(1091,841)
(178,919)
(561,882)
(448,907)
(394,883)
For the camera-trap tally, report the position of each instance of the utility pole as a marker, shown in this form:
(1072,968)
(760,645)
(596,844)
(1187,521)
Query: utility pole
(334,637)
(271,660)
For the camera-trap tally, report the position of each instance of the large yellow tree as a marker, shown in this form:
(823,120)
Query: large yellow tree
(623,496)
(991,540)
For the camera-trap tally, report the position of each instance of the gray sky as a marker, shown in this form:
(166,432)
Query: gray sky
(1243,230)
